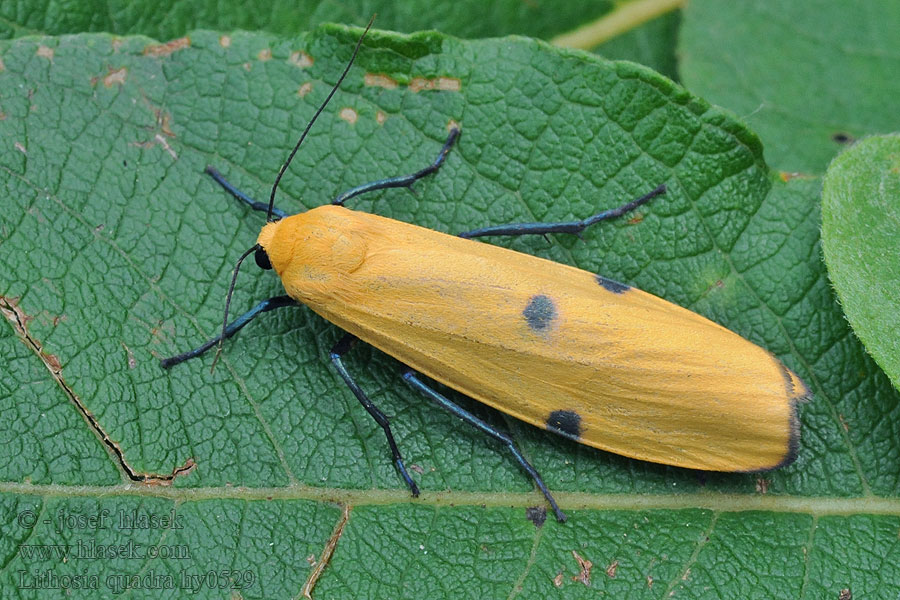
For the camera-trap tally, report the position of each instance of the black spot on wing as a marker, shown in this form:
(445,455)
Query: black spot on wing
(540,312)
(566,422)
(612,286)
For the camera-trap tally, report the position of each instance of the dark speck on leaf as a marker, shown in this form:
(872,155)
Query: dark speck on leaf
(842,138)
(536,514)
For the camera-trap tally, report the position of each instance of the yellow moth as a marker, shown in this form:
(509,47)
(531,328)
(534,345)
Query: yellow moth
(570,351)
(602,363)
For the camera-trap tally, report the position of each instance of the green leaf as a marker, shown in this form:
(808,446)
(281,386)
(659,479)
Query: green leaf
(116,250)
(168,19)
(809,76)
(860,221)
(651,44)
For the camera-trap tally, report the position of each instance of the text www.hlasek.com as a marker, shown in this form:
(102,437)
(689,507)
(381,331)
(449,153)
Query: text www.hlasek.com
(90,550)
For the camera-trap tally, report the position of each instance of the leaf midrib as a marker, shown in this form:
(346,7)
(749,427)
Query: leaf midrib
(817,506)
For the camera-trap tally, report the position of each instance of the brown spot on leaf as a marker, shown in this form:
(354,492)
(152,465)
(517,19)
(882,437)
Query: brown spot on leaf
(264,55)
(584,566)
(558,580)
(380,117)
(163,121)
(45,52)
(301,59)
(162,128)
(612,568)
(115,76)
(304,89)
(225,41)
(349,115)
(843,422)
(380,80)
(168,48)
(158,140)
(444,84)
(129,356)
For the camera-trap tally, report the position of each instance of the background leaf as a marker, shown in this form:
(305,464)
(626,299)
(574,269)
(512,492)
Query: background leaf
(808,76)
(652,44)
(116,250)
(170,19)
(860,220)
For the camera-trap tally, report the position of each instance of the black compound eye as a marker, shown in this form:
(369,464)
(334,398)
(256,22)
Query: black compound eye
(262,259)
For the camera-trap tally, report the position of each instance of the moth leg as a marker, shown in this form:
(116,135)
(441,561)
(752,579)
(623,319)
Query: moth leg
(337,353)
(575,227)
(402,180)
(233,328)
(412,378)
(261,206)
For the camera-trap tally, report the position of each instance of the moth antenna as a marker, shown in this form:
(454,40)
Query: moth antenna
(313,120)
(228,303)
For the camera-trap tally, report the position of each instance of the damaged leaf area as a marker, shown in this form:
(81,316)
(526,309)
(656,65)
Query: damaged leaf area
(18,320)
(116,250)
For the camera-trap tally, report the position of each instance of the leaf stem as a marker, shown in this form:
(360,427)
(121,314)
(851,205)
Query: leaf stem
(623,18)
